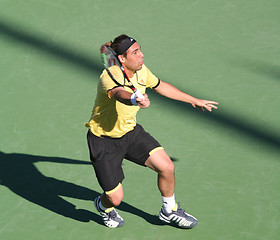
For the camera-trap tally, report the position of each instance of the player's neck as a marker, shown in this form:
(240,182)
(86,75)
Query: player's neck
(129,73)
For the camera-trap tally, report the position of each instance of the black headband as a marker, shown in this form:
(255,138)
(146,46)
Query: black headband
(125,45)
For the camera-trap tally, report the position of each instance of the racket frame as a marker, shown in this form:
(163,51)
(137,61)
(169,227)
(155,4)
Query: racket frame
(115,61)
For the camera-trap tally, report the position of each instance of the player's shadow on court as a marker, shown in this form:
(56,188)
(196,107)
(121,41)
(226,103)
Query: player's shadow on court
(19,173)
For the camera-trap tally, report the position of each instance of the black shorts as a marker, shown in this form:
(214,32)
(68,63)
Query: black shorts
(107,154)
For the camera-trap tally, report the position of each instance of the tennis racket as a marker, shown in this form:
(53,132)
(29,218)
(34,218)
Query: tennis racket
(109,58)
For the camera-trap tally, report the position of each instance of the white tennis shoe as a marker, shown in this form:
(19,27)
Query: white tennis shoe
(111,218)
(179,217)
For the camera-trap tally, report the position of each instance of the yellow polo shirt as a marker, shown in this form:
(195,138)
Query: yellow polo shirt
(111,117)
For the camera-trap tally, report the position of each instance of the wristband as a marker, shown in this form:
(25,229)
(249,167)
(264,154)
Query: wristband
(139,94)
(133,99)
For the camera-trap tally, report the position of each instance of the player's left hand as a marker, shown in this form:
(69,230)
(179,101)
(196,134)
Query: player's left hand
(201,104)
(143,102)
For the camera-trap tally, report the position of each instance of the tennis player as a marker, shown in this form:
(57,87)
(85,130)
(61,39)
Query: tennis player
(114,135)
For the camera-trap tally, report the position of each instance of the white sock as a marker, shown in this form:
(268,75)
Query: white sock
(168,203)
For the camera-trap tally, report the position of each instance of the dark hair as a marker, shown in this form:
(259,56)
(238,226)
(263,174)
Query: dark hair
(117,42)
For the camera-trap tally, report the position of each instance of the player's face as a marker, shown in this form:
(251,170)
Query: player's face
(134,59)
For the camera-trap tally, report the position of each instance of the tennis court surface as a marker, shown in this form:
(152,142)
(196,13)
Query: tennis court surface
(227,162)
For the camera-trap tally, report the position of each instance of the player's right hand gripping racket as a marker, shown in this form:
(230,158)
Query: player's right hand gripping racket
(109,58)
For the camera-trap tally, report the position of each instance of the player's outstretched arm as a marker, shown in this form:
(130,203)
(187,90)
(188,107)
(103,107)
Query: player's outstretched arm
(168,90)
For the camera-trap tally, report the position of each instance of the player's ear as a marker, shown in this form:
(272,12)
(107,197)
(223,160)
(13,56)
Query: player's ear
(121,58)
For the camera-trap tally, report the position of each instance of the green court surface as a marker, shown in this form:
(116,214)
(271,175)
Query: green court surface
(227,162)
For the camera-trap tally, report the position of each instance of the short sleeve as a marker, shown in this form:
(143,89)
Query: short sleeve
(152,80)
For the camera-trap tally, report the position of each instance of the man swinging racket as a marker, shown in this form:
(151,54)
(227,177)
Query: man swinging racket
(114,134)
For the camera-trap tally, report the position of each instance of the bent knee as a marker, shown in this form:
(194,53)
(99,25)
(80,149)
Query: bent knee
(160,162)
(168,167)
(115,196)
(115,201)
